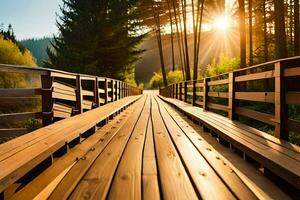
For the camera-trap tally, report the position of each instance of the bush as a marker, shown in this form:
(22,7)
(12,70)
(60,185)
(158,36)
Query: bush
(157,80)
(225,65)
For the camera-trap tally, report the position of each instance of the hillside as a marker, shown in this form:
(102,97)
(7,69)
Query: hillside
(38,48)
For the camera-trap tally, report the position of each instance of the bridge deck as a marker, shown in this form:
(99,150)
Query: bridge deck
(148,151)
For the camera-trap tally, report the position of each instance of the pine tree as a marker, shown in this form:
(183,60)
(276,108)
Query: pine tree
(97,37)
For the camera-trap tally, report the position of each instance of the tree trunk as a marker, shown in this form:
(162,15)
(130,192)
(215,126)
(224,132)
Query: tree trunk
(178,39)
(266,46)
(280,35)
(250,35)
(242,33)
(159,44)
(188,73)
(172,40)
(296,28)
(199,27)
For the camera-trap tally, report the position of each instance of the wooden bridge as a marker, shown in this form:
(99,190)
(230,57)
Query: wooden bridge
(102,138)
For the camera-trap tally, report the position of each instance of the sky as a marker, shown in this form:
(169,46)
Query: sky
(30,18)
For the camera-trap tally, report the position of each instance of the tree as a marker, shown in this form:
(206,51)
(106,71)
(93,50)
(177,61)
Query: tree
(242,32)
(97,37)
(296,28)
(280,35)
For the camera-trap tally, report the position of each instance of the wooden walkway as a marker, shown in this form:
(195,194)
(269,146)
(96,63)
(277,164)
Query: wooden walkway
(148,151)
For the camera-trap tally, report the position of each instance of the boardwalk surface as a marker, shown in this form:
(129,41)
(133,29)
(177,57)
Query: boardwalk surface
(146,152)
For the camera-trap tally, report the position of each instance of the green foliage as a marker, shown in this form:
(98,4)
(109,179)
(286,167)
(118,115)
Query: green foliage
(97,37)
(224,65)
(11,54)
(157,80)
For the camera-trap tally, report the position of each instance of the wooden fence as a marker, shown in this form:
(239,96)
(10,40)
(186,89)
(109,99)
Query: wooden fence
(274,85)
(62,94)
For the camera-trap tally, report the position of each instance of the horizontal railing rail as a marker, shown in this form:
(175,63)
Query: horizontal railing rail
(61,95)
(275,86)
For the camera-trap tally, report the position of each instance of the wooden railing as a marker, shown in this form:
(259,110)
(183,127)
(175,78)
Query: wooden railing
(274,85)
(62,94)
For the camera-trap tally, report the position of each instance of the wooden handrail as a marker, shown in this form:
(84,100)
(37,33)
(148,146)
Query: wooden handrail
(65,88)
(279,72)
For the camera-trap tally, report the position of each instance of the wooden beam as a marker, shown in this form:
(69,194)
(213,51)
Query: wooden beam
(268,97)
(15,117)
(292,72)
(263,117)
(47,101)
(218,94)
(79,96)
(217,82)
(19,92)
(280,103)
(255,76)
(293,98)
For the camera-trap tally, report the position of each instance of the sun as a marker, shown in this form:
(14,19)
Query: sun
(222,23)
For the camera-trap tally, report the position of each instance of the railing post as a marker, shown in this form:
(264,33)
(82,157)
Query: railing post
(194,92)
(79,97)
(112,90)
(180,91)
(47,101)
(185,91)
(231,96)
(280,103)
(96,92)
(106,91)
(205,92)
(119,90)
(176,90)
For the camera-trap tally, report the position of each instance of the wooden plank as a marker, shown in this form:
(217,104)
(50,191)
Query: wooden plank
(218,94)
(87,93)
(292,72)
(101,137)
(19,92)
(199,85)
(217,106)
(12,132)
(189,93)
(87,78)
(62,75)
(32,148)
(87,104)
(213,161)
(282,146)
(293,125)
(255,76)
(79,182)
(199,103)
(263,117)
(68,97)
(207,182)
(130,166)
(61,114)
(101,91)
(200,94)
(217,82)
(23,69)
(293,98)
(64,86)
(174,180)
(15,117)
(150,174)
(268,97)
(276,158)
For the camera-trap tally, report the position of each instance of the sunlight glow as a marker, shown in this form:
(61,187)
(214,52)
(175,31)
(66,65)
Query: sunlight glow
(222,23)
